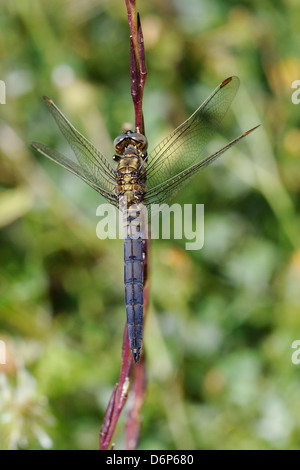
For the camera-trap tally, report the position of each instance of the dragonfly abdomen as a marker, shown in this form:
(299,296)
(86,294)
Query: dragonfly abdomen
(133,279)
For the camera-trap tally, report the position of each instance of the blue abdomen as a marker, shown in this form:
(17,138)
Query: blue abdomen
(133,279)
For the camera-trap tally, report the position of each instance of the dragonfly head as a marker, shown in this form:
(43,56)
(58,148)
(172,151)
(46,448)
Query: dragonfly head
(137,141)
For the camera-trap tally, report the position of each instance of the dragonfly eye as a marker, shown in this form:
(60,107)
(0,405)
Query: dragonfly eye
(134,139)
(141,141)
(120,143)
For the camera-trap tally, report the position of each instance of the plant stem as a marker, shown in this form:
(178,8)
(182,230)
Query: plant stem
(138,75)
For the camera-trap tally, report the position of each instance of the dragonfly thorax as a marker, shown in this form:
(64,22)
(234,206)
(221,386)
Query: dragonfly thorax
(131,142)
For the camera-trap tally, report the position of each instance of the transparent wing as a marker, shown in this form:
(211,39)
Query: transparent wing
(91,165)
(185,145)
(167,189)
(74,168)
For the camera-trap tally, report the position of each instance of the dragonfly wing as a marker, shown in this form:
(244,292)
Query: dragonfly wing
(78,170)
(165,191)
(88,157)
(185,145)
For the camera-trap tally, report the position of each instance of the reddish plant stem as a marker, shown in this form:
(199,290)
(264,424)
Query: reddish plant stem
(138,69)
(138,75)
(119,395)
(142,78)
(133,423)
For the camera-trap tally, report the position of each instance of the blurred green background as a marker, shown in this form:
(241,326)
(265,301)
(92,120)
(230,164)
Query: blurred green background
(222,320)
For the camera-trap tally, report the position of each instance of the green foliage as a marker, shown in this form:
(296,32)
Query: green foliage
(222,320)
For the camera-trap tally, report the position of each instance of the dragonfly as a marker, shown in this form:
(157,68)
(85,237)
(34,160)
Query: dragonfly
(141,178)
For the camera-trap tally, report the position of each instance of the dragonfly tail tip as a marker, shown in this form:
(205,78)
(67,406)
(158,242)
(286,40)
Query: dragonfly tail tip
(136,355)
